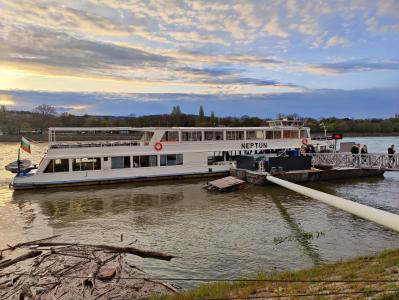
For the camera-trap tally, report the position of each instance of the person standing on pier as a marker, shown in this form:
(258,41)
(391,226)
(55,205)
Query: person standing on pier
(364,151)
(391,152)
(355,152)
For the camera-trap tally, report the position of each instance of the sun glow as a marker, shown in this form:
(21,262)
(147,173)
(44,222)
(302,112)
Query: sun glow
(6,100)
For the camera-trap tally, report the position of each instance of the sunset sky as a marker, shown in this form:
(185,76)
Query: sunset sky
(315,58)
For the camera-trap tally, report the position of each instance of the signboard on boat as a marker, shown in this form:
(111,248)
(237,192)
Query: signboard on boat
(248,146)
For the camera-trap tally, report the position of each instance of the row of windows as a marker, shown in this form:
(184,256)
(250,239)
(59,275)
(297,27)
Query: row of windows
(233,135)
(117,162)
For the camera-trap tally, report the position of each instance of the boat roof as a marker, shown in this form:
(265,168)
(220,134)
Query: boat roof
(55,129)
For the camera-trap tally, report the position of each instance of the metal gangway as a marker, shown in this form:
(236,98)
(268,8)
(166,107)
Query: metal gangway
(363,161)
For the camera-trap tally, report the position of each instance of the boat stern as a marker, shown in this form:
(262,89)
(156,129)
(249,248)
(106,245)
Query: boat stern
(23,180)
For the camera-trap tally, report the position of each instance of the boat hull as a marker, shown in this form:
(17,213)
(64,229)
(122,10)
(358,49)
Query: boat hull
(106,181)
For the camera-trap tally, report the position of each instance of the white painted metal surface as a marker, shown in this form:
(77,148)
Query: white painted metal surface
(195,152)
(376,215)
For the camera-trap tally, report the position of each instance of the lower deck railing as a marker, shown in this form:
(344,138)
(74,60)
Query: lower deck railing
(366,161)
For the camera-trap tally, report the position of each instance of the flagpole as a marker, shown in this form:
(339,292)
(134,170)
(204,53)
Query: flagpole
(19,161)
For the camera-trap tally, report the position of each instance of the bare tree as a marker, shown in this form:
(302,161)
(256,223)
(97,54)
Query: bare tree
(45,110)
(42,115)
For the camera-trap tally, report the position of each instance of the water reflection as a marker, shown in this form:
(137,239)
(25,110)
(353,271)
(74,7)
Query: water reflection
(310,250)
(74,205)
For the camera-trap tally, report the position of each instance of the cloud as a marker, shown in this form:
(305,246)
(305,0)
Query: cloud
(388,7)
(37,45)
(43,51)
(200,45)
(273,28)
(336,41)
(354,66)
(373,25)
(365,103)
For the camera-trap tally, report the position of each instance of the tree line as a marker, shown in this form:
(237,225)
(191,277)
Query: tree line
(44,116)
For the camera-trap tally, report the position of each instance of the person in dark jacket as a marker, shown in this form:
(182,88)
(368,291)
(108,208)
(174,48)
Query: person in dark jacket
(391,153)
(363,151)
(355,152)
(391,150)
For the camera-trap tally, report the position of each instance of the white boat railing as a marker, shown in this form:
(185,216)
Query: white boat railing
(65,145)
(366,161)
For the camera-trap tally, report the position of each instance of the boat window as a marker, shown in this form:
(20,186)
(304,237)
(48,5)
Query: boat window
(50,167)
(57,165)
(215,157)
(290,134)
(97,163)
(191,136)
(213,135)
(120,162)
(170,136)
(255,135)
(273,134)
(234,135)
(145,161)
(171,159)
(61,165)
(304,134)
(86,164)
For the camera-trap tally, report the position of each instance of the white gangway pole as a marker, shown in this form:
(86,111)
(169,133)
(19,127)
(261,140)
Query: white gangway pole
(376,215)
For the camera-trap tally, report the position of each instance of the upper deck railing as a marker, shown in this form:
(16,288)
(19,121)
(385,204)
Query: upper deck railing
(379,161)
(79,137)
(66,145)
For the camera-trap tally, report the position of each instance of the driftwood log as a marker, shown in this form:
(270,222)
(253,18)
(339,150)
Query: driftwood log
(130,250)
(28,243)
(78,271)
(23,257)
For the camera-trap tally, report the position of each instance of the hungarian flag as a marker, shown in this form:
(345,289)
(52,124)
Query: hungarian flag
(25,145)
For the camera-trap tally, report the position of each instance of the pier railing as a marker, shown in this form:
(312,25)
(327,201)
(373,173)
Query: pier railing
(365,161)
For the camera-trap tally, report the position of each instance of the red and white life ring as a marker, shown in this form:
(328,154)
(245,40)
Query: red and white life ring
(158,146)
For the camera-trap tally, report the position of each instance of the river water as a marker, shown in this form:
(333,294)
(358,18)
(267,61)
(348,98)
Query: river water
(214,235)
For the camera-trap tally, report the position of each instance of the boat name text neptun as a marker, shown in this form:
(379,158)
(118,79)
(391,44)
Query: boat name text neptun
(253,145)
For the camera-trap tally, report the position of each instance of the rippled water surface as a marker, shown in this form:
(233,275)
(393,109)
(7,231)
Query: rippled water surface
(214,235)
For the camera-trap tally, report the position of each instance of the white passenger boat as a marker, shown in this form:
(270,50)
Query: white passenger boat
(142,154)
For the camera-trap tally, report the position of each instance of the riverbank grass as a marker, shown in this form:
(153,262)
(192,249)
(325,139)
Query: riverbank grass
(356,278)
